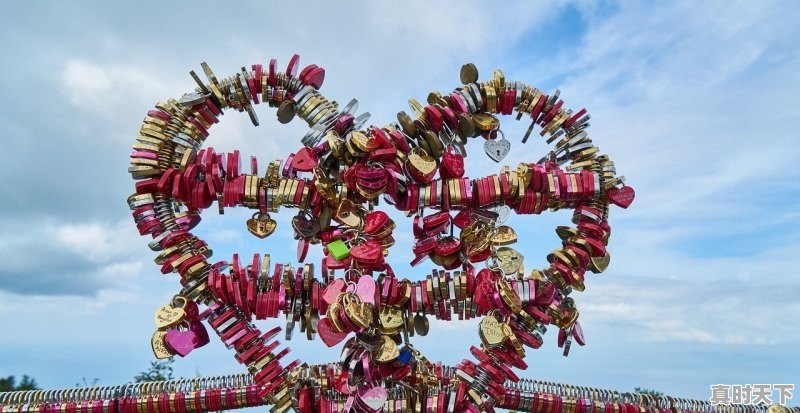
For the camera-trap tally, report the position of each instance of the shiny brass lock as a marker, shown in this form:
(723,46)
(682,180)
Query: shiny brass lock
(421,165)
(346,213)
(490,331)
(358,312)
(391,320)
(386,351)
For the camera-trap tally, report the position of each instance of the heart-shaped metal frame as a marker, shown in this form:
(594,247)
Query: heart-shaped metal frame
(335,180)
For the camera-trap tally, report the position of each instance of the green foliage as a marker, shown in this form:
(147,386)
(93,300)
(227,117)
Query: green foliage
(159,370)
(87,383)
(9,384)
(648,391)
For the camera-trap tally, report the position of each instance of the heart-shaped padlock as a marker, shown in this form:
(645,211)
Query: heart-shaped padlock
(261,225)
(421,166)
(181,341)
(329,334)
(621,197)
(358,313)
(496,149)
(452,164)
(171,314)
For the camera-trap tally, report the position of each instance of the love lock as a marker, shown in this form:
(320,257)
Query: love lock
(261,225)
(495,149)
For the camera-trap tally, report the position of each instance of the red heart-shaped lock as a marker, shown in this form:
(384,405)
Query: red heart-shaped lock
(381,137)
(436,220)
(375,221)
(399,141)
(369,173)
(577,333)
(621,197)
(452,164)
(485,288)
(425,245)
(462,219)
(434,117)
(384,155)
(370,252)
(328,334)
(349,176)
(304,160)
(343,123)
(448,246)
(333,264)
(562,338)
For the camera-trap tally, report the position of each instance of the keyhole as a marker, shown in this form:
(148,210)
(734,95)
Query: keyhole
(498,152)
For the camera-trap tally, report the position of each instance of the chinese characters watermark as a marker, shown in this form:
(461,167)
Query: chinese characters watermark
(750,394)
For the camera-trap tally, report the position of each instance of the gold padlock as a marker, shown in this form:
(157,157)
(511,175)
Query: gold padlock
(491,331)
(358,312)
(391,320)
(421,164)
(386,351)
(160,350)
(347,214)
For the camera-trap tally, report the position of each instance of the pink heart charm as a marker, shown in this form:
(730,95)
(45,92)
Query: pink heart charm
(181,342)
(373,398)
(331,292)
(366,289)
(621,197)
(328,334)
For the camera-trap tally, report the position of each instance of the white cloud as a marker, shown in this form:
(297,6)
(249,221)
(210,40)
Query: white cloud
(99,242)
(97,88)
(85,258)
(690,311)
(690,102)
(87,82)
(674,92)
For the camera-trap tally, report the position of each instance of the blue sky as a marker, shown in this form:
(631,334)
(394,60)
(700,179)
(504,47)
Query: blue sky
(693,100)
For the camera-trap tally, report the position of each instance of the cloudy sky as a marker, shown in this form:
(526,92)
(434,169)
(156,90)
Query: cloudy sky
(692,100)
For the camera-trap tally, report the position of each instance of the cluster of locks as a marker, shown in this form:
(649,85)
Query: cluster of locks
(335,180)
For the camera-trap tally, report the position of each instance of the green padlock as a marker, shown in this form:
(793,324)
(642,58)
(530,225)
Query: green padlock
(339,250)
